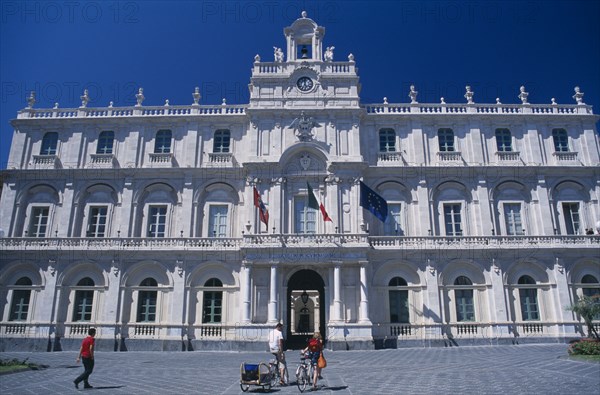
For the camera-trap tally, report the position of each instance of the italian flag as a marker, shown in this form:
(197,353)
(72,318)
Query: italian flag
(313,203)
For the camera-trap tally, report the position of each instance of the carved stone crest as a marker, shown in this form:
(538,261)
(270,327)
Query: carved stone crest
(303,127)
(305,162)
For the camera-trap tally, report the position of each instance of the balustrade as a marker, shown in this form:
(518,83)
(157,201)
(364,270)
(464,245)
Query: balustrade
(316,240)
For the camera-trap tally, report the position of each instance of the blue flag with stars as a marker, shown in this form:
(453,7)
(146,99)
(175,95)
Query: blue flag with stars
(371,200)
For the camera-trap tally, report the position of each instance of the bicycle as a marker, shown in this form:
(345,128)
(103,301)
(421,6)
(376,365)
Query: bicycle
(304,372)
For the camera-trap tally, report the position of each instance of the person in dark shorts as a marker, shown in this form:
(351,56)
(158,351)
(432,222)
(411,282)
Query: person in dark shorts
(314,348)
(86,354)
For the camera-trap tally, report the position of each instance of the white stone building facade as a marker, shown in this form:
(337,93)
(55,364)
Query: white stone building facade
(141,221)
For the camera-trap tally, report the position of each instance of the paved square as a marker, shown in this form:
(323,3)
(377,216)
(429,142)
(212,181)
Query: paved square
(522,369)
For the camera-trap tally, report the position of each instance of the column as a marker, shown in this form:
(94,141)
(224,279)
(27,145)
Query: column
(246,273)
(272,311)
(363,311)
(337,300)
(562,298)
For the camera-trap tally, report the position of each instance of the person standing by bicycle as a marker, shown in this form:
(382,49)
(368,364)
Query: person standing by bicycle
(314,348)
(276,348)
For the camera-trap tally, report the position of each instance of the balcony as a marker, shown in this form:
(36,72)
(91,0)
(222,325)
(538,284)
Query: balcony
(101,161)
(161,159)
(390,159)
(46,162)
(221,159)
(315,241)
(508,156)
(565,158)
(449,157)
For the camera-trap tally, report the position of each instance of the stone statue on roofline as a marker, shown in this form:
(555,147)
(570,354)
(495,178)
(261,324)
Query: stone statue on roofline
(278,54)
(139,97)
(469,94)
(523,95)
(328,57)
(578,96)
(413,95)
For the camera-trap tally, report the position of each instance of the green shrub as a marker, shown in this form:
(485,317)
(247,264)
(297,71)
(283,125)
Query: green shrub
(585,347)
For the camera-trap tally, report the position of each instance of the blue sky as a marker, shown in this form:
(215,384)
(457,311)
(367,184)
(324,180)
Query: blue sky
(58,48)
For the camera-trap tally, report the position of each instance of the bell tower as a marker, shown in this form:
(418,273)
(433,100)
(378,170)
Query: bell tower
(304,40)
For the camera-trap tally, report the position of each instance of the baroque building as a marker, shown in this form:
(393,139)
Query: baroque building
(199,227)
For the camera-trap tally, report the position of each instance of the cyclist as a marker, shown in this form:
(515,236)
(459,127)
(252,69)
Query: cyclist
(314,348)
(276,348)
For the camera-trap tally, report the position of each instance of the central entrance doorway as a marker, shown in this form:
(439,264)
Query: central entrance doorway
(305,308)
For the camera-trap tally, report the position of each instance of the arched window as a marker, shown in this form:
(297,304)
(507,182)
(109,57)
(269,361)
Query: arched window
(398,299)
(589,279)
(221,141)
(20,300)
(446,140)
(561,140)
(503,140)
(213,302)
(528,300)
(387,140)
(49,144)
(162,142)
(146,311)
(105,142)
(465,307)
(84,301)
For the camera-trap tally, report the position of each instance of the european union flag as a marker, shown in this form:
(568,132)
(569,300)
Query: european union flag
(371,200)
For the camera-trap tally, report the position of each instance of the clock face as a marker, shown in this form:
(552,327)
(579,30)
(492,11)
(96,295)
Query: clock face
(304,84)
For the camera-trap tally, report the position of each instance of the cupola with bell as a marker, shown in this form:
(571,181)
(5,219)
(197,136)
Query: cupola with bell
(304,40)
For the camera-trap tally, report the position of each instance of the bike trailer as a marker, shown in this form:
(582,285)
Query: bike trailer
(255,374)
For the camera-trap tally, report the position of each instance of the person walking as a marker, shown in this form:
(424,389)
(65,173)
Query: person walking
(314,349)
(86,354)
(276,348)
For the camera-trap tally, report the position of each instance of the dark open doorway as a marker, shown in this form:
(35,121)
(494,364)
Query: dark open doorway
(305,308)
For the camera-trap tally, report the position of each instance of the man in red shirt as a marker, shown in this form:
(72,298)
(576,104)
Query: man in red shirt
(86,354)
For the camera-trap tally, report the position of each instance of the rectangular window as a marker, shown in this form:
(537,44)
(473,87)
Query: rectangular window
(452,219)
(97,222)
(83,305)
(391,226)
(571,212)
(512,218)
(465,308)
(529,306)
(446,140)
(49,144)
(387,140)
(305,217)
(20,305)
(105,142)
(162,142)
(222,141)
(157,220)
(39,221)
(561,140)
(399,306)
(213,301)
(503,140)
(146,306)
(217,221)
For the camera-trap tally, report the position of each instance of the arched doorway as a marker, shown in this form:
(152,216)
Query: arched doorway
(305,308)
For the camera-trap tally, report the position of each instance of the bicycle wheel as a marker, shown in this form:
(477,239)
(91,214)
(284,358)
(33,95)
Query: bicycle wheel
(301,378)
(244,387)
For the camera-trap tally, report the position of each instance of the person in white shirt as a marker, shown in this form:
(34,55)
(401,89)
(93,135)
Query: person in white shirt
(276,348)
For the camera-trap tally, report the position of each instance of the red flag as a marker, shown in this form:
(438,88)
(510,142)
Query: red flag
(312,203)
(264,213)
(325,216)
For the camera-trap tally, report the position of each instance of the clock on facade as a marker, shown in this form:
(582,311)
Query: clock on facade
(304,84)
